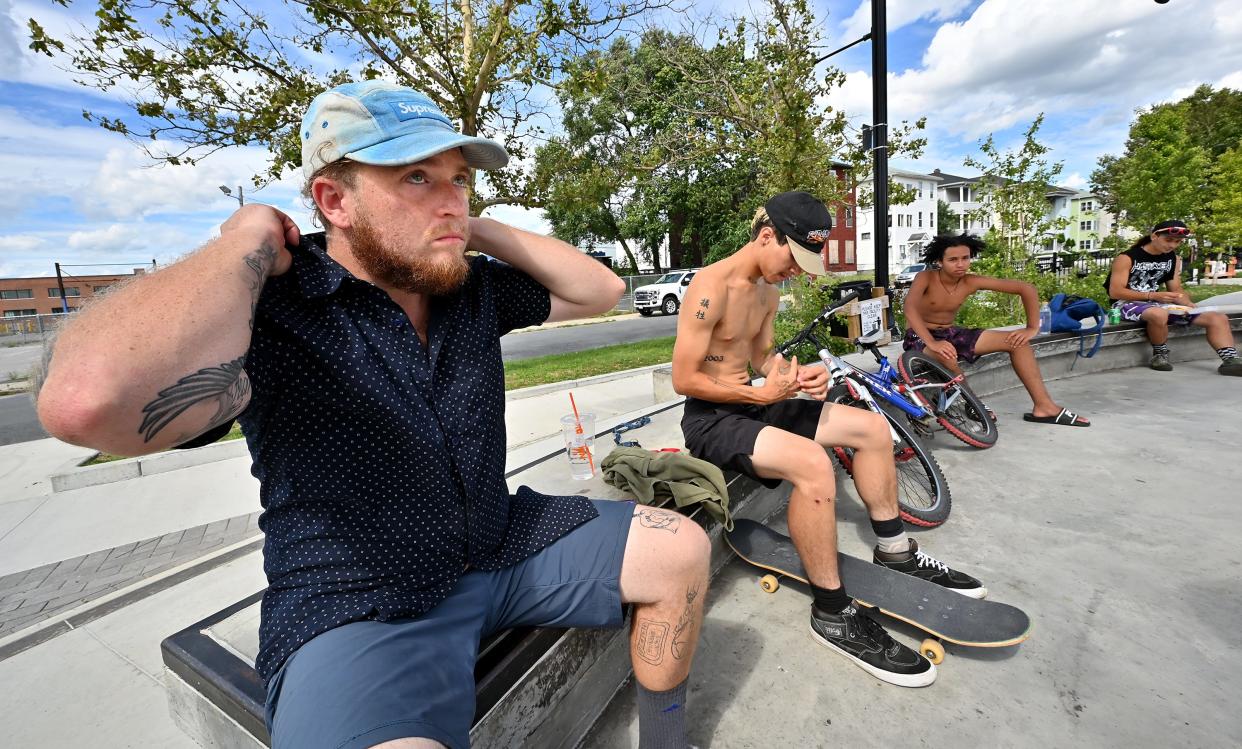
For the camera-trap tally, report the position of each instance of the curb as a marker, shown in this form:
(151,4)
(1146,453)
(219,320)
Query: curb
(9,388)
(575,323)
(76,477)
(555,387)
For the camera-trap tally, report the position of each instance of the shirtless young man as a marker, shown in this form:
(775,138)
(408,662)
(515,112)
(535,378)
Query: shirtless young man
(1134,287)
(932,304)
(727,324)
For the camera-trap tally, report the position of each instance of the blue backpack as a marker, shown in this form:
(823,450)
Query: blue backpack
(1068,312)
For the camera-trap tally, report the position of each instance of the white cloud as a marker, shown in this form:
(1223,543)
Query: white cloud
(127,185)
(10,44)
(522,218)
(1087,66)
(899,13)
(1076,181)
(1010,60)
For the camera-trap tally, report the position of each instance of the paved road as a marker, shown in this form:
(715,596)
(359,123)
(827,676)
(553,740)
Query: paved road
(18,359)
(582,337)
(18,422)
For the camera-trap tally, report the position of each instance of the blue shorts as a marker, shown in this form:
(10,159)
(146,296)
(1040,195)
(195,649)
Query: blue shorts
(365,683)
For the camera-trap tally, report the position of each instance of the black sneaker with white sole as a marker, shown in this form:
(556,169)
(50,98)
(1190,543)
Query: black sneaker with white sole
(855,635)
(915,562)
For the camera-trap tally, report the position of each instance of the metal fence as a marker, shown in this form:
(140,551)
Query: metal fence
(15,331)
(1065,264)
(632,282)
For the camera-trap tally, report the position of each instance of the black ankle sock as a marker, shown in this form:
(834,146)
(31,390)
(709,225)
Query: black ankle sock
(830,600)
(1160,348)
(887,528)
(662,718)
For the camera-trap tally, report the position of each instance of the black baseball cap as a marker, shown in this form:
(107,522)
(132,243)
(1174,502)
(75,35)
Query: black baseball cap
(805,222)
(1172,227)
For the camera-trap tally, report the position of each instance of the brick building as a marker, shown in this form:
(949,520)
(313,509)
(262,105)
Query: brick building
(20,297)
(842,241)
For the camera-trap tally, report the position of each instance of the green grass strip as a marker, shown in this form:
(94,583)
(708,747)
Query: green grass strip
(578,364)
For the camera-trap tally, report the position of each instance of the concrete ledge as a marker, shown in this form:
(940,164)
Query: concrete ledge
(1124,345)
(77,477)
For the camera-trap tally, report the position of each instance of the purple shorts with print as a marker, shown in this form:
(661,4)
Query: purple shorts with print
(1133,311)
(963,339)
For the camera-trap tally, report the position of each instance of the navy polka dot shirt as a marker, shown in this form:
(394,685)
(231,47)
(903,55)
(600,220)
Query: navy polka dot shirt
(381,459)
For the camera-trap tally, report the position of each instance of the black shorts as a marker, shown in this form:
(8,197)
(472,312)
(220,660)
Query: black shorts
(724,434)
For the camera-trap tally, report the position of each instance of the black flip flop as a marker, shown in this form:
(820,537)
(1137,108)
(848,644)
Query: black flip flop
(1065,418)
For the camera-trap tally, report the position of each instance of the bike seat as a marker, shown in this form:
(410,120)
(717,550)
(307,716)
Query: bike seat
(871,338)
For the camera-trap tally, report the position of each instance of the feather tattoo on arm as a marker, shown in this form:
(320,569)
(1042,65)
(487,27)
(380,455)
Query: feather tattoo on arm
(226,384)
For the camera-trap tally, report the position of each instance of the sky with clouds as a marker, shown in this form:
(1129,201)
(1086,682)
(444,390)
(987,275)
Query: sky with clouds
(74,193)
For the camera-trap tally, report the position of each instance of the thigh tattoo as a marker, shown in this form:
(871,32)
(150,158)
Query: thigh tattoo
(662,519)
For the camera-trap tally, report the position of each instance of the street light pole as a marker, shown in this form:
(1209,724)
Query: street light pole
(241,199)
(60,281)
(879,135)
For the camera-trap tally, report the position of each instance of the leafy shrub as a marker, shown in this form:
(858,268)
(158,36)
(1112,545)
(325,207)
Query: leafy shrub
(807,298)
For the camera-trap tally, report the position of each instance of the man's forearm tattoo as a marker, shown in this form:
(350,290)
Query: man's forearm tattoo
(226,384)
(259,263)
(649,640)
(681,634)
(661,519)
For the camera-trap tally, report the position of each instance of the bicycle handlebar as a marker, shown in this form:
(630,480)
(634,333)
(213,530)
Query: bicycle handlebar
(820,319)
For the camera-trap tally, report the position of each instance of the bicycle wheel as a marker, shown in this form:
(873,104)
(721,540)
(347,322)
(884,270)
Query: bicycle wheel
(922,493)
(967,419)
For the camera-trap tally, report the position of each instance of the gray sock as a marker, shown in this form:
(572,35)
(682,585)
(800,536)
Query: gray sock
(662,718)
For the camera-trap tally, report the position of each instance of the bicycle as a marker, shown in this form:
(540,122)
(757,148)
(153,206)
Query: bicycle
(939,396)
(922,492)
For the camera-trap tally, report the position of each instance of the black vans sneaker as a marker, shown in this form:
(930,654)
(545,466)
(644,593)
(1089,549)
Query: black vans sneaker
(855,635)
(918,564)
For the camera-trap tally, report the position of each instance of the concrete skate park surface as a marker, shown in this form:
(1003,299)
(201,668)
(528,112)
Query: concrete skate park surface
(1119,540)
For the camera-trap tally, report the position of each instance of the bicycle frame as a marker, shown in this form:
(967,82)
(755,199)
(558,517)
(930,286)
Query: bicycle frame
(885,382)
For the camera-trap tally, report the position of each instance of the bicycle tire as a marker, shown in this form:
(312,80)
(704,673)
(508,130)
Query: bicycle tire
(967,419)
(923,497)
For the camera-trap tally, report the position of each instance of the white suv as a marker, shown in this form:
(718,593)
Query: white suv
(665,294)
(905,278)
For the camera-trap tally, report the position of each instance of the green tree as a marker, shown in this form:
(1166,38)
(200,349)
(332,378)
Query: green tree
(1013,189)
(947,221)
(673,138)
(210,74)
(1224,229)
(1171,155)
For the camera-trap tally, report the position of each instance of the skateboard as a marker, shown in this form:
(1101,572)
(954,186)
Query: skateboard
(938,611)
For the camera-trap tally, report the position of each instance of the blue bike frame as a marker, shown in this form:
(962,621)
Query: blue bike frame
(882,383)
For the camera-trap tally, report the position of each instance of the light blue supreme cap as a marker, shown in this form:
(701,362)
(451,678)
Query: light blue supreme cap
(380,123)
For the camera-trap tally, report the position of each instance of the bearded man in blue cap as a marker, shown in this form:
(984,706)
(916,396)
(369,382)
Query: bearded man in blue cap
(364,366)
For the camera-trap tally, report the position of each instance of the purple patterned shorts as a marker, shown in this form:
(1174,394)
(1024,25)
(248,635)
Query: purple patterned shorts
(963,339)
(1133,311)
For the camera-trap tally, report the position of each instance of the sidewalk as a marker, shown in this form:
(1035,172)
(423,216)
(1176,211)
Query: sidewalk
(58,550)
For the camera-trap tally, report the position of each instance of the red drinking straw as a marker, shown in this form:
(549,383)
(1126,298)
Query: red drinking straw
(578,429)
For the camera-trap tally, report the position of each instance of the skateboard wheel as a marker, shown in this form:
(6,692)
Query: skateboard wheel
(932,650)
(769,583)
